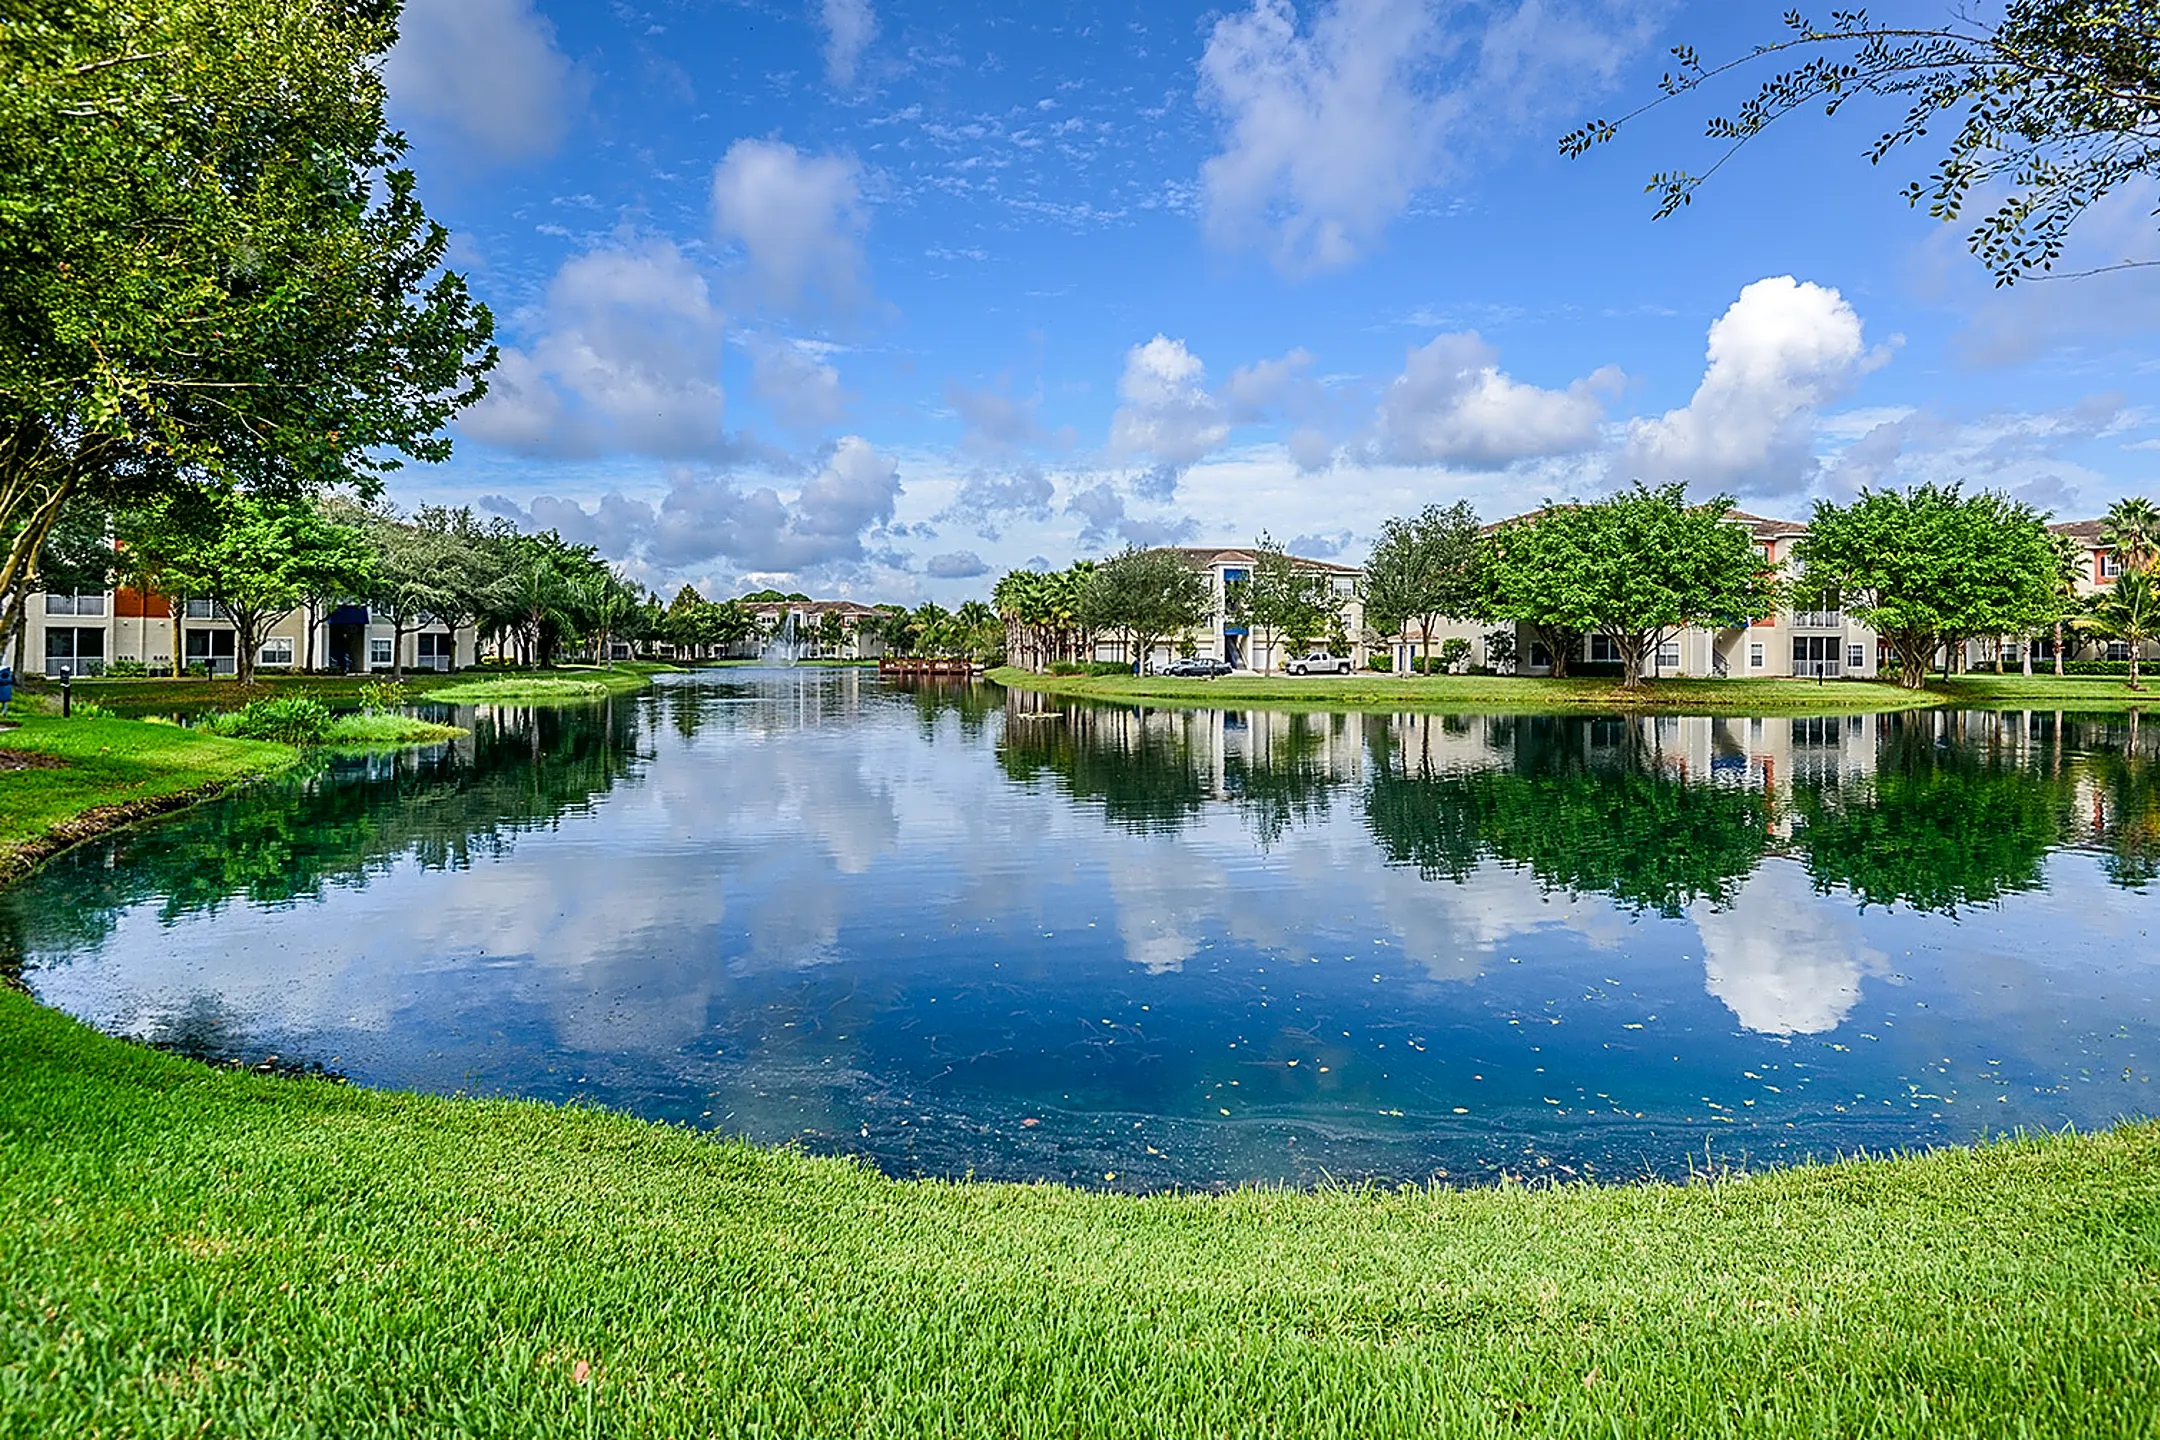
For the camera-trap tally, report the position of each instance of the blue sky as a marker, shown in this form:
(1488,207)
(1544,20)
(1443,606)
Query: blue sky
(880,299)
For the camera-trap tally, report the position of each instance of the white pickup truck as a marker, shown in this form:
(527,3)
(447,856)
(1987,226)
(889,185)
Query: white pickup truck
(1319,662)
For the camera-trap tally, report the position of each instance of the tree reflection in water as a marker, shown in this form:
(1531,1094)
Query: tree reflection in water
(1936,811)
(347,817)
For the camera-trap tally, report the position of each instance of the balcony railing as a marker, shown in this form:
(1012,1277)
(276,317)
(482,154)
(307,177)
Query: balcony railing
(1818,619)
(1817,669)
(74,604)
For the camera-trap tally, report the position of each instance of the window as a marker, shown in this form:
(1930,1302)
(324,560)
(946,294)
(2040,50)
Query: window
(2110,565)
(2118,650)
(79,652)
(1668,655)
(1856,657)
(436,651)
(378,653)
(1603,651)
(277,650)
(1755,655)
(93,604)
(1344,585)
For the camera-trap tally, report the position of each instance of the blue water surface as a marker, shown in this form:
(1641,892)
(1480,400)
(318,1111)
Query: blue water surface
(964,931)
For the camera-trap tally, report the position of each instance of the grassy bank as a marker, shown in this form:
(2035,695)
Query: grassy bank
(64,780)
(1468,693)
(559,686)
(168,696)
(191,1251)
(2086,693)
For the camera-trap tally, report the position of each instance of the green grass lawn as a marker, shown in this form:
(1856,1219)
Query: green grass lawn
(361,732)
(1369,691)
(169,696)
(83,766)
(2048,692)
(188,1251)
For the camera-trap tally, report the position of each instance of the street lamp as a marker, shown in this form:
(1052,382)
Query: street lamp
(67,694)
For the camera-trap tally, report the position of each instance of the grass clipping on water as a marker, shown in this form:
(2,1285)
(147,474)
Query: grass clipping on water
(193,1251)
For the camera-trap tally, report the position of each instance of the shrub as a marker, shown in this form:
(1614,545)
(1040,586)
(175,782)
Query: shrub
(1381,663)
(1065,667)
(380,697)
(2075,667)
(89,710)
(197,669)
(291,719)
(1108,667)
(127,670)
(1453,652)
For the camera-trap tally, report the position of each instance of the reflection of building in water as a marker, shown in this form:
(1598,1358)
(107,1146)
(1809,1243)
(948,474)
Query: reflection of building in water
(1767,754)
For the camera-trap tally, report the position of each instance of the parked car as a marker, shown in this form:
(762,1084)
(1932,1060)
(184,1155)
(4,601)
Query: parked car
(1196,669)
(1319,662)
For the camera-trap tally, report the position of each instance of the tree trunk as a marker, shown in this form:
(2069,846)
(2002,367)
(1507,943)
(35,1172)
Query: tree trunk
(2058,647)
(397,653)
(178,606)
(2135,646)
(2025,656)
(309,663)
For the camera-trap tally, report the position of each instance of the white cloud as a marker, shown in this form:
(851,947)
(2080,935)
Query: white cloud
(628,358)
(1782,961)
(1329,132)
(797,384)
(1167,412)
(850,26)
(798,218)
(998,421)
(704,518)
(1104,521)
(989,500)
(485,75)
(1453,404)
(1782,351)
(960,565)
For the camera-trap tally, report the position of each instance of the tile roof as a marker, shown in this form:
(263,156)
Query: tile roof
(2087,531)
(1241,555)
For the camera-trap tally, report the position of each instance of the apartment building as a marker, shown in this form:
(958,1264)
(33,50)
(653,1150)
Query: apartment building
(1238,644)
(86,632)
(1812,638)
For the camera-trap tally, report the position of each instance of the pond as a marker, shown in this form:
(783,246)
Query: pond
(969,932)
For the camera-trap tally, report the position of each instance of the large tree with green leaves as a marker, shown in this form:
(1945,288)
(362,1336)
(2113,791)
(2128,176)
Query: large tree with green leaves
(214,272)
(1424,567)
(2049,107)
(2130,612)
(258,557)
(2131,529)
(1637,567)
(1931,567)
(1147,595)
(1284,599)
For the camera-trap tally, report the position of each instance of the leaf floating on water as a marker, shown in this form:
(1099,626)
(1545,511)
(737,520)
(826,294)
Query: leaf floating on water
(1030,1123)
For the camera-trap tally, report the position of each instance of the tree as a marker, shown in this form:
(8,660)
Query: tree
(1929,567)
(1284,598)
(1637,568)
(1147,594)
(214,276)
(1423,568)
(832,632)
(2068,574)
(2130,612)
(2053,104)
(413,578)
(2131,529)
(260,558)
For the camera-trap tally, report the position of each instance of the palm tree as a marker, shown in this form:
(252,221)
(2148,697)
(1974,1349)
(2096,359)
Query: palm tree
(2131,529)
(2130,612)
(2069,574)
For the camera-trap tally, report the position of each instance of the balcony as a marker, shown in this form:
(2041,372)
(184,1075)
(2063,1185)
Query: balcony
(1818,620)
(75,604)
